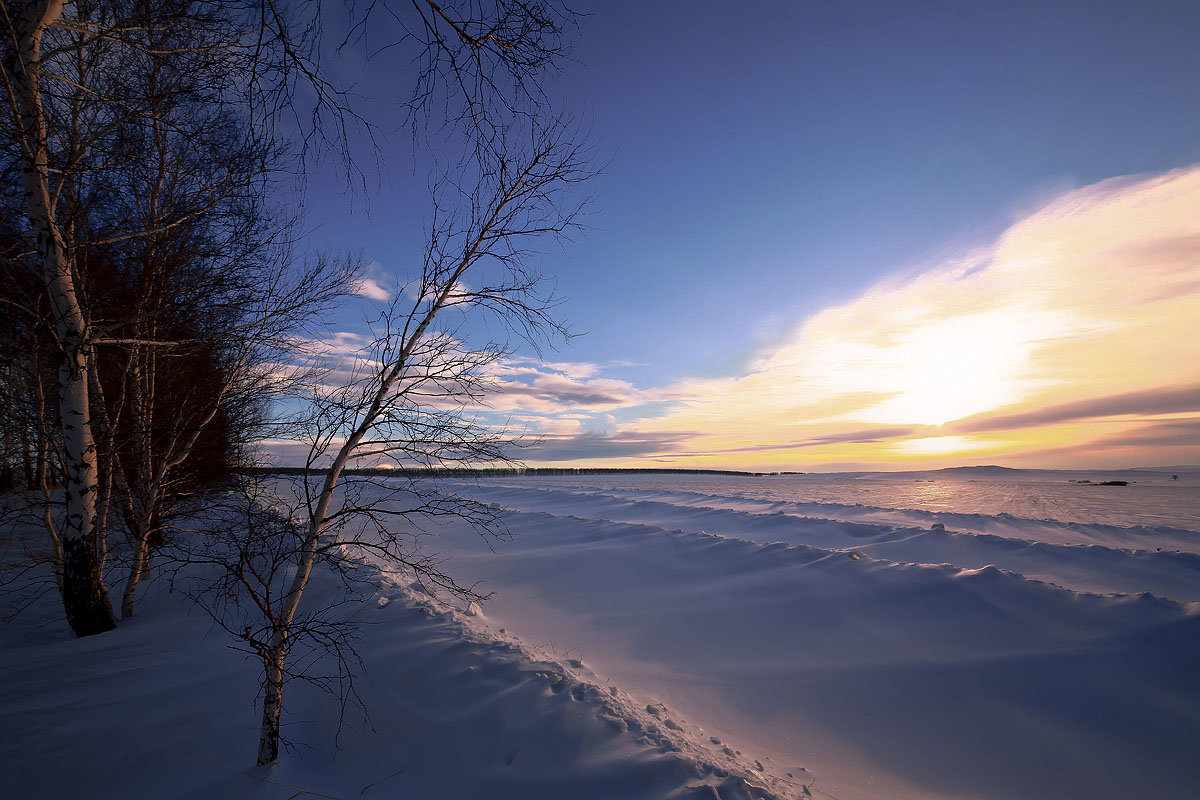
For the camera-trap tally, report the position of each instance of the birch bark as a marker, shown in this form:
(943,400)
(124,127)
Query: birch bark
(85,598)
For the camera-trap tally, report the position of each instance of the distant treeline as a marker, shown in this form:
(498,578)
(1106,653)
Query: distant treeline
(435,472)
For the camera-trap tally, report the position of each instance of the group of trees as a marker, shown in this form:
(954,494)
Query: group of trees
(150,270)
(156,286)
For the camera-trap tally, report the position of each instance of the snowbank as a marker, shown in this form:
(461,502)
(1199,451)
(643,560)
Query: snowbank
(161,708)
(888,661)
(664,643)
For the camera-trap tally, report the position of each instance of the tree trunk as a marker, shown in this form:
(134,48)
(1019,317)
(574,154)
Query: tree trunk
(268,739)
(140,548)
(85,598)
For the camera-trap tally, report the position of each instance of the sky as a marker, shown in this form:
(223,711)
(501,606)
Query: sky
(852,236)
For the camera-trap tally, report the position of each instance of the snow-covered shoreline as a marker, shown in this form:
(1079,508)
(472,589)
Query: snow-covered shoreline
(888,659)
(162,708)
(667,643)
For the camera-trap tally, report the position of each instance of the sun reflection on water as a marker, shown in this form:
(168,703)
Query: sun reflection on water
(932,494)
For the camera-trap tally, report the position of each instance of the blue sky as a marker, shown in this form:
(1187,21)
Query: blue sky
(768,161)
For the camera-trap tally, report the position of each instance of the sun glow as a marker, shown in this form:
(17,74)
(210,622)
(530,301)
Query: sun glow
(1069,341)
(936,445)
(1094,296)
(953,368)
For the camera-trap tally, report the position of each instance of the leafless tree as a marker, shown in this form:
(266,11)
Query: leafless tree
(84,594)
(410,399)
(78,77)
(102,93)
(146,188)
(199,303)
(235,565)
(192,412)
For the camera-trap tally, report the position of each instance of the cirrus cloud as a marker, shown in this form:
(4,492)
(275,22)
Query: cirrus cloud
(1068,341)
(1083,312)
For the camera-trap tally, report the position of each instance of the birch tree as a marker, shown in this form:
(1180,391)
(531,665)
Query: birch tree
(143,177)
(85,597)
(410,399)
(75,77)
(193,412)
(212,291)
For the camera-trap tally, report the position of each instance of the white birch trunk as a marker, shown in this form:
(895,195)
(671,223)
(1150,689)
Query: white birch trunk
(268,739)
(85,598)
(141,547)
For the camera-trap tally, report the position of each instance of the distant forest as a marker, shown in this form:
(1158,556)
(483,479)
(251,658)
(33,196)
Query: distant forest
(436,472)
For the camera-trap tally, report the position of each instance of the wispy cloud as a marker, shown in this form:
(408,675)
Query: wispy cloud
(1084,310)
(1150,402)
(370,288)
(596,445)
(1071,338)
(374,283)
(521,384)
(551,392)
(857,436)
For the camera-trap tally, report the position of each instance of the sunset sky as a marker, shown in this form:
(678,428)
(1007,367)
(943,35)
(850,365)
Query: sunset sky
(859,235)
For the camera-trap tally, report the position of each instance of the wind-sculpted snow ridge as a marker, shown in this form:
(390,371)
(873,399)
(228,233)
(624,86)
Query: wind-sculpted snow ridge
(678,751)
(1043,530)
(162,708)
(1085,567)
(883,676)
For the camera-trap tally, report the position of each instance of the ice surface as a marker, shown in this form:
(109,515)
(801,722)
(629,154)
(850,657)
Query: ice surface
(682,636)
(1005,657)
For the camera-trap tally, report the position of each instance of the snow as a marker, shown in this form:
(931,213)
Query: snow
(162,708)
(887,660)
(677,638)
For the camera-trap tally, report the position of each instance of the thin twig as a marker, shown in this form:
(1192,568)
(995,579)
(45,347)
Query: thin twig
(363,790)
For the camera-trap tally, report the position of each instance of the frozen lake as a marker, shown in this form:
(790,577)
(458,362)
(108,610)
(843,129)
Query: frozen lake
(1151,498)
(873,637)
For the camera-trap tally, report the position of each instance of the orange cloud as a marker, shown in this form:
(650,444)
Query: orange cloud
(1077,325)
(1070,341)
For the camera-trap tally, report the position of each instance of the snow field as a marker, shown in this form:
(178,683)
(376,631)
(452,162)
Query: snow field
(162,708)
(886,660)
(662,643)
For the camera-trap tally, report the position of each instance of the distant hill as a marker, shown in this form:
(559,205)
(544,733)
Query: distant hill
(1189,474)
(1177,468)
(987,469)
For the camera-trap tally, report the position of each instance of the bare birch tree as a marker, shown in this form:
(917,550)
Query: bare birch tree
(412,398)
(188,425)
(85,597)
(145,185)
(75,77)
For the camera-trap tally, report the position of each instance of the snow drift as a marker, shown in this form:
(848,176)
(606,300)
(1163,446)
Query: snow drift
(883,659)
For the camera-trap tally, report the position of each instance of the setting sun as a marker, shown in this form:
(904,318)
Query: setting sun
(953,368)
(1072,305)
